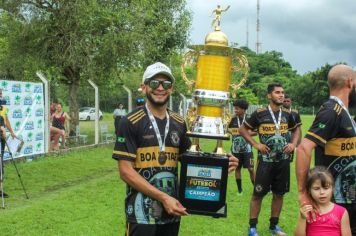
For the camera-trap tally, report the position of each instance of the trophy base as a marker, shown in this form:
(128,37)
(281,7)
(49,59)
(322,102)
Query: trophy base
(203,182)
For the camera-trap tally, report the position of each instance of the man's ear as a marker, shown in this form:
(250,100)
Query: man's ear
(143,88)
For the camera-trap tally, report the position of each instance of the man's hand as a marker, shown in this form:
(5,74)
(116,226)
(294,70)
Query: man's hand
(289,148)
(173,206)
(233,162)
(304,200)
(264,149)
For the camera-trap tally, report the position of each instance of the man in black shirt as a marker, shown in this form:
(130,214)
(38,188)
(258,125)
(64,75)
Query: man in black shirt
(273,168)
(150,140)
(333,137)
(240,148)
(287,104)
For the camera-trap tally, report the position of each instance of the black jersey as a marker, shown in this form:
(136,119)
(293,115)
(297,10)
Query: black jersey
(296,116)
(262,121)
(333,132)
(137,142)
(297,120)
(239,144)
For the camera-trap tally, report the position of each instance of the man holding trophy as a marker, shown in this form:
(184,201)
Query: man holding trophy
(273,169)
(148,146)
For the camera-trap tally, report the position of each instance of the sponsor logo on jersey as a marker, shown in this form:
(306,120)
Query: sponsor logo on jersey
(321,125)
(121,139)
(148,136)
(175,138)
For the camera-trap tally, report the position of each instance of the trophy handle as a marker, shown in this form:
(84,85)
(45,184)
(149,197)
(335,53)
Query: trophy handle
(239,64)
(188,60)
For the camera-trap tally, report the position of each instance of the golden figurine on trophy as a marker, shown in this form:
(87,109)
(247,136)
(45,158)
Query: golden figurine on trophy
(203,176)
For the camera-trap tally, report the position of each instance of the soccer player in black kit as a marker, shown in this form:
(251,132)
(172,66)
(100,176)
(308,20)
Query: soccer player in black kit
(148,145)
(333,137)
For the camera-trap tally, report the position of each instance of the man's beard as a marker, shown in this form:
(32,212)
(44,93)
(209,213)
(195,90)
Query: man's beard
(276,102)
(153,102)
(352,98)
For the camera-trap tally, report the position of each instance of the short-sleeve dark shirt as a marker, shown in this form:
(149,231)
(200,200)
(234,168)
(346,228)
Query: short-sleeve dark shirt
(333,133)
(262,121)
(297,120)
(137,142)
(239,144)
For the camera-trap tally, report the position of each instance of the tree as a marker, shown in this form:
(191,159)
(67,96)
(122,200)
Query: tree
(98,39)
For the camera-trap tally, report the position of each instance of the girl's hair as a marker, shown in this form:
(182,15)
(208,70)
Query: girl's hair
(319,173)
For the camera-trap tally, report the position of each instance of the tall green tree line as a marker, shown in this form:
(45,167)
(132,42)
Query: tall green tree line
(72,41)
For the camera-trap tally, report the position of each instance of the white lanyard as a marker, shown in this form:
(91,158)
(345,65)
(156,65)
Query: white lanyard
(277,124)
(162,145)
(338,100)
(238,120)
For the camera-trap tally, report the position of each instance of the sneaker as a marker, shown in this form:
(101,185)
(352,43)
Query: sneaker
(252,232)
(5,195)
(277,231)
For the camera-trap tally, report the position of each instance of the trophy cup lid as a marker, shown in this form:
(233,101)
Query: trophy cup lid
(217,39)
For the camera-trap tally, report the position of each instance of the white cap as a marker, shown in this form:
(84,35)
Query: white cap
(155,69)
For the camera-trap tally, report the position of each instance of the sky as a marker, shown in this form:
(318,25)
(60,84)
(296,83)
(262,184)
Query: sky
(309,33)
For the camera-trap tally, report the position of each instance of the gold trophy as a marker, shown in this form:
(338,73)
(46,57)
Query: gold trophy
(203,176)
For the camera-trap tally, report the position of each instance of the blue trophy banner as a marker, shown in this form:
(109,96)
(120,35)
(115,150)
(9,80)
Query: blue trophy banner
(203,182)
(25,110)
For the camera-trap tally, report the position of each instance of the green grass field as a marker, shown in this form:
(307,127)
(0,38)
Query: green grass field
(80,193)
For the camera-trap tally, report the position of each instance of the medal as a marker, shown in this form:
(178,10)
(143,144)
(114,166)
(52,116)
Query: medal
(276,123)
(162,157)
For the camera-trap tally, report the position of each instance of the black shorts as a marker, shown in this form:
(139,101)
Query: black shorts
(272,176)
(133,229)
(245,159)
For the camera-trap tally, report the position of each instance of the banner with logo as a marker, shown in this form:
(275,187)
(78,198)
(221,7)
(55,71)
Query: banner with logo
(25,104)
(203,182)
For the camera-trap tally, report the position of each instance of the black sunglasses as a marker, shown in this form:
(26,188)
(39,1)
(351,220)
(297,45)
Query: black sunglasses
(154,84)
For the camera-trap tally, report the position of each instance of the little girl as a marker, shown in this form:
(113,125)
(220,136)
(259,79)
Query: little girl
(331,219)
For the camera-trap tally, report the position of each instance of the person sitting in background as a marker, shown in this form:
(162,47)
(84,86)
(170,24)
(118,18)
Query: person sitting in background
(119,112)
(58,119)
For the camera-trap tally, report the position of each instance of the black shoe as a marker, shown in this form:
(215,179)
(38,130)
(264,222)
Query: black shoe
(5,195)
